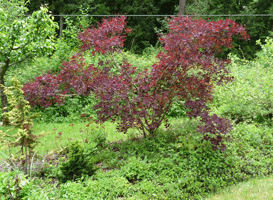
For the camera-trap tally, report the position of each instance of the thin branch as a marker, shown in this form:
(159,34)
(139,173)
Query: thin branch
(20,60)
(20,47)
(125,71)
(67,95)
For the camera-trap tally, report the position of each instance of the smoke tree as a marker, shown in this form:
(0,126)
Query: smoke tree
(75,78)
(22,37)
(187,70)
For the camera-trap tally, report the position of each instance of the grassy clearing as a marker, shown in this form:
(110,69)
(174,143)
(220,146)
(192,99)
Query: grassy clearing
(59,135)
(254,189)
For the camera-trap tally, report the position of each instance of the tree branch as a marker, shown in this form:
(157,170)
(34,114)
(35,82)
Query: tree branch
(20,60)
(125,71)
(20,47)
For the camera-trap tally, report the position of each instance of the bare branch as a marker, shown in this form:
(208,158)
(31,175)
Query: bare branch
(67,95)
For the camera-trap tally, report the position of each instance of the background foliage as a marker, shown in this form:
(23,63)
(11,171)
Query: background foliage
(249,97)
(144,28)
(258,27)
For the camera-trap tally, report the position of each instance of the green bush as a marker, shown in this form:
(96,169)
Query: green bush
(102,186)
(251,147)
(79,164)
(14,185)
(136,169)
(142,62)
(177,109)
(250,96)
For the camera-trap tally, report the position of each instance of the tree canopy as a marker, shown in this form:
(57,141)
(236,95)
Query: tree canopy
(22,37)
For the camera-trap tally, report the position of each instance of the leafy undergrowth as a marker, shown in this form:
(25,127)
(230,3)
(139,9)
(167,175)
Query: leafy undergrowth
(176,164)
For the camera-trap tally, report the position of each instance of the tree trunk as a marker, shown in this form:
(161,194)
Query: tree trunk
(182,7)
(4,102)
(272,27)
(61,26)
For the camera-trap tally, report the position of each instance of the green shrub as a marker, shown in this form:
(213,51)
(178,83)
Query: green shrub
(177,109)
(79,163)
(43,189)
(102,186)
(251,147)
(142,62)
(147,189)
(108,185)
(136,169)
(250,96)
(14,185)
(70,111)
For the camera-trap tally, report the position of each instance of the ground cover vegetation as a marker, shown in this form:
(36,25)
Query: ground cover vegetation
(196,154)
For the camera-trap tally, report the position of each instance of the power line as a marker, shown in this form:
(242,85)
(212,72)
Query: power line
(231,15)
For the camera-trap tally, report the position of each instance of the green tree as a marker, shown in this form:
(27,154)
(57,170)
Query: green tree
(143,34)
(21,38)
(71,7)
(20,117)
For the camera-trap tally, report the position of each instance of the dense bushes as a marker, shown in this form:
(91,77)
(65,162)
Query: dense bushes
(249,97)
(79,164)
(14,185)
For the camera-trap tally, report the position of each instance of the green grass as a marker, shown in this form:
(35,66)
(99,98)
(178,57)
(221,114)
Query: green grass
(59,135)
(175,164)
(254,189)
